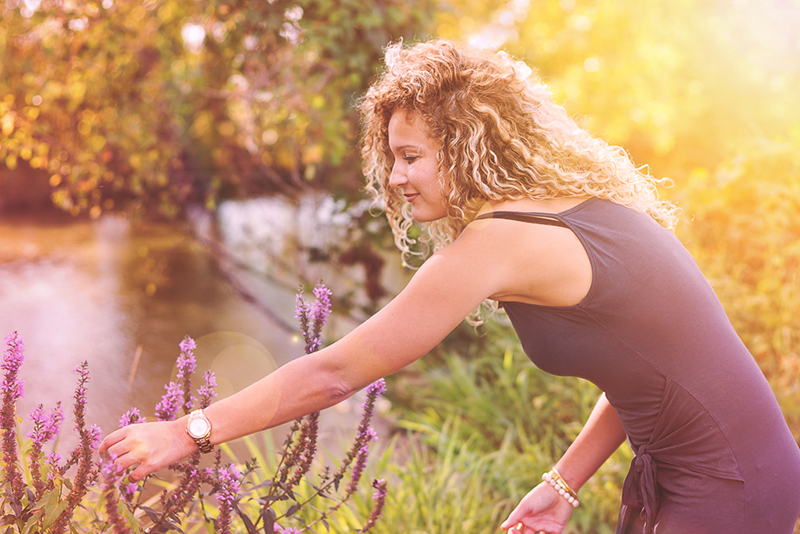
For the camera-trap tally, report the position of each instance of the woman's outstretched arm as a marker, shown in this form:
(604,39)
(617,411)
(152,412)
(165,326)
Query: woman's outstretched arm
(448,287)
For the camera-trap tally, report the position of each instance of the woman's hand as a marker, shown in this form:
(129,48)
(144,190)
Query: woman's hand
(541,510)
(152,446)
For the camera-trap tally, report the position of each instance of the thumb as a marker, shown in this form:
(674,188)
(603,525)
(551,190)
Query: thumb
(513,519)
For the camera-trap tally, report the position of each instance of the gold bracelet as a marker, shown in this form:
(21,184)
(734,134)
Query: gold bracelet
(553,478)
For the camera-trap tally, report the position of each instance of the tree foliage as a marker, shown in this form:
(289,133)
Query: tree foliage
(678,84)
(156,104)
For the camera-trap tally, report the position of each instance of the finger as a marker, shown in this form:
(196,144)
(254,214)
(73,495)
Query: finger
(140,472)
(111,439)
(513,526)
(118,450)
(125,461)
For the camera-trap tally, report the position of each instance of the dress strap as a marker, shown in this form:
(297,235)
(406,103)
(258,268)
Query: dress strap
(524,217)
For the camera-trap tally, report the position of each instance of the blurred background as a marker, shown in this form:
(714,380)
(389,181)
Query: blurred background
(172,168)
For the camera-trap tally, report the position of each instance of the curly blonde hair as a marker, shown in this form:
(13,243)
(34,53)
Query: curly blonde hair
(502,138)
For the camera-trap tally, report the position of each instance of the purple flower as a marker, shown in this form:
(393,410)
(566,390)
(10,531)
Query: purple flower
(375,391)
(186,364)
(95,436)
(321,309)
(170,402)
(187,344)
(79,408)
(110,475)
(365,434)
(128,490)
(302,313)
(15,352)
(82,454)
(377,509)
(228,478)
(45,428)
(131,417)
(11,388)
(208,390)
(313,317)
(361,462)
(304,451)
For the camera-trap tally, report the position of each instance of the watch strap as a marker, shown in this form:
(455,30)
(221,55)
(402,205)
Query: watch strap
(204,445)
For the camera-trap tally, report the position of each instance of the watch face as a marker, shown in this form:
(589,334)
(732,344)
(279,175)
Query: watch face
(198,427)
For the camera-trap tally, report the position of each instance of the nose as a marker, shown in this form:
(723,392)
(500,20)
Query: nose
(398,177)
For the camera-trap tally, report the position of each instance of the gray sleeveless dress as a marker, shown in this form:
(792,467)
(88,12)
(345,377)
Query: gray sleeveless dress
(713,453)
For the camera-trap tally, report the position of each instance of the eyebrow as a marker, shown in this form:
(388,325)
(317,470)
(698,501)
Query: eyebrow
(406,147)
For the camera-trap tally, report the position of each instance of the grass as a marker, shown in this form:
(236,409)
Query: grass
(479,430)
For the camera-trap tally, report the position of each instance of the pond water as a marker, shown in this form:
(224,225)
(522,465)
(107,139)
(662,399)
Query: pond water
(122,296)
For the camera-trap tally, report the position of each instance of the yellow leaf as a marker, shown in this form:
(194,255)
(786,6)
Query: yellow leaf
(77,90)
(7,123)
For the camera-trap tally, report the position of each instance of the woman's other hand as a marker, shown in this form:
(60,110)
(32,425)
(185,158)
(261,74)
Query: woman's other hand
(149,446)
(541,510)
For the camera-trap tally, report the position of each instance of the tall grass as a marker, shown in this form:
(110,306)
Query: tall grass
(479,430)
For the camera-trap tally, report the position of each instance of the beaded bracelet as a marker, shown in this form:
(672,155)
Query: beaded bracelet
(553,478)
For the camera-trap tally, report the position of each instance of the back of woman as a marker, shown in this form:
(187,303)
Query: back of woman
(713,452)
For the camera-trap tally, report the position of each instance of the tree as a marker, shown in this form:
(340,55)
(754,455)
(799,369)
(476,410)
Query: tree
(148,106)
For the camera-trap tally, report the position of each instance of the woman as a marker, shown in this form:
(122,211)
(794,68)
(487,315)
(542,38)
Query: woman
(528,210)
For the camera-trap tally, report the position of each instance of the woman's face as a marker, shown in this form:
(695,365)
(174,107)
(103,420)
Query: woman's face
(415,169)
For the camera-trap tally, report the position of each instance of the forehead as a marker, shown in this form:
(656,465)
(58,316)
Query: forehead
(406,128)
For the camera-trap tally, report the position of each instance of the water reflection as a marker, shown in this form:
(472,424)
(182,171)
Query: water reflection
(102,291)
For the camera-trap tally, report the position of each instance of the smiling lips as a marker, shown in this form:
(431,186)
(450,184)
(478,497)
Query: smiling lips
(411,196)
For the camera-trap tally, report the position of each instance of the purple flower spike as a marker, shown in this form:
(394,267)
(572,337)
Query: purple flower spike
(377,509)
(361,461)
(208,390)
(186,366)
(110,475)
(170,403)
(45,428)
(11,388)
(376,389)
(322,307)
(82,454)
(313,317)
(186,361)
(226,495)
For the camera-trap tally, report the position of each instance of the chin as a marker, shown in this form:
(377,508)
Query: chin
(427,217)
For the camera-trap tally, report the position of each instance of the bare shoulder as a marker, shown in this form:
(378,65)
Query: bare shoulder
(536,264)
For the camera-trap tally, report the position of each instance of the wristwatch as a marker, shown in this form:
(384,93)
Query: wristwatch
(199,429)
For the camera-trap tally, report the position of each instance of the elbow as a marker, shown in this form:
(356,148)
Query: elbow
(339,390)
(341,377)
(335,383)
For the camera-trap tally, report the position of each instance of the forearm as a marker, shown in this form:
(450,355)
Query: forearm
(600,437)
(297,388)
